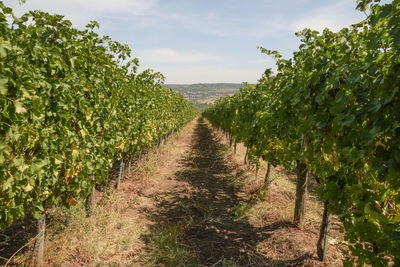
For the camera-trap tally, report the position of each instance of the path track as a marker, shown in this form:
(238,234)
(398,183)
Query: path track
(204,197)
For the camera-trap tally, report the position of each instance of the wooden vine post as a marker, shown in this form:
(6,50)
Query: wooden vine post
(91,202)
(257,168)
(39,242)
(267,177)
(301,189)
(121,171)
(125,173)
(323,241)
(129,167)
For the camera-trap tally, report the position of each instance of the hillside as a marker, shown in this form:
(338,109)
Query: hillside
(204,94)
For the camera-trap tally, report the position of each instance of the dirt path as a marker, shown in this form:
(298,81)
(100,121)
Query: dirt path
(204,195)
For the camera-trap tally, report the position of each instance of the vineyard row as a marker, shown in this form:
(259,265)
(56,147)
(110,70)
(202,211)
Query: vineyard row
(333,111)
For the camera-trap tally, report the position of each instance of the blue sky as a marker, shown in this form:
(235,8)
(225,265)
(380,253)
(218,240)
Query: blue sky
(203,41)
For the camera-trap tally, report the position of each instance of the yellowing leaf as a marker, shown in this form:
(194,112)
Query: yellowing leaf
(71,173)
(88,115)
(83,132)
(28,188)
(121,145)
(71,201)
(19,108)
(379,143)
(25,93)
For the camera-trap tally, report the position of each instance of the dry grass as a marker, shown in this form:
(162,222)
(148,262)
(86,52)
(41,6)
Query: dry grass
(109,237)
(166,249)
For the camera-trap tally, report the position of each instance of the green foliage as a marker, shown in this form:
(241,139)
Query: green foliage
(341,92)
(71,103)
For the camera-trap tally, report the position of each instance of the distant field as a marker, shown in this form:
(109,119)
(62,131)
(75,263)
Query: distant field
(210,101)
(204,94)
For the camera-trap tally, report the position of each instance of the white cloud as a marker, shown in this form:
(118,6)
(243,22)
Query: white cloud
(168,55)
(266,60)
(335,17)
(80,12)
(210,73)
(224,27)
(186,67)
(134,7)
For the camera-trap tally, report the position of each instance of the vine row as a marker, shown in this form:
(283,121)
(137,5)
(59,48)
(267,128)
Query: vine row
(334,108)
(71,104)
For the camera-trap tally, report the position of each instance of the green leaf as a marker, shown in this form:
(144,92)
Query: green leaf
(20,164)
(3,85)
(395,235)
(348,121)
(75,154)
(7,184)
(37,166)
(386,11)
(336,109)
(374,106)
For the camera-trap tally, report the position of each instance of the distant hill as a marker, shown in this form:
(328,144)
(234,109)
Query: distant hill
(204,94)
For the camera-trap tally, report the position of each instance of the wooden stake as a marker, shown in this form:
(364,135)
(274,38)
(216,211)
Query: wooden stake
(257,169)
(267,177)
(121,169)
(301,190)
(129,167)
(322,246)
(39,243)
(91,202)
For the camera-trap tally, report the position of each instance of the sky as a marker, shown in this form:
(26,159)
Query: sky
(203,41)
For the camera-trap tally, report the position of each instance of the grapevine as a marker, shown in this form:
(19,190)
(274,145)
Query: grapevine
(340,91)
(71,104)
